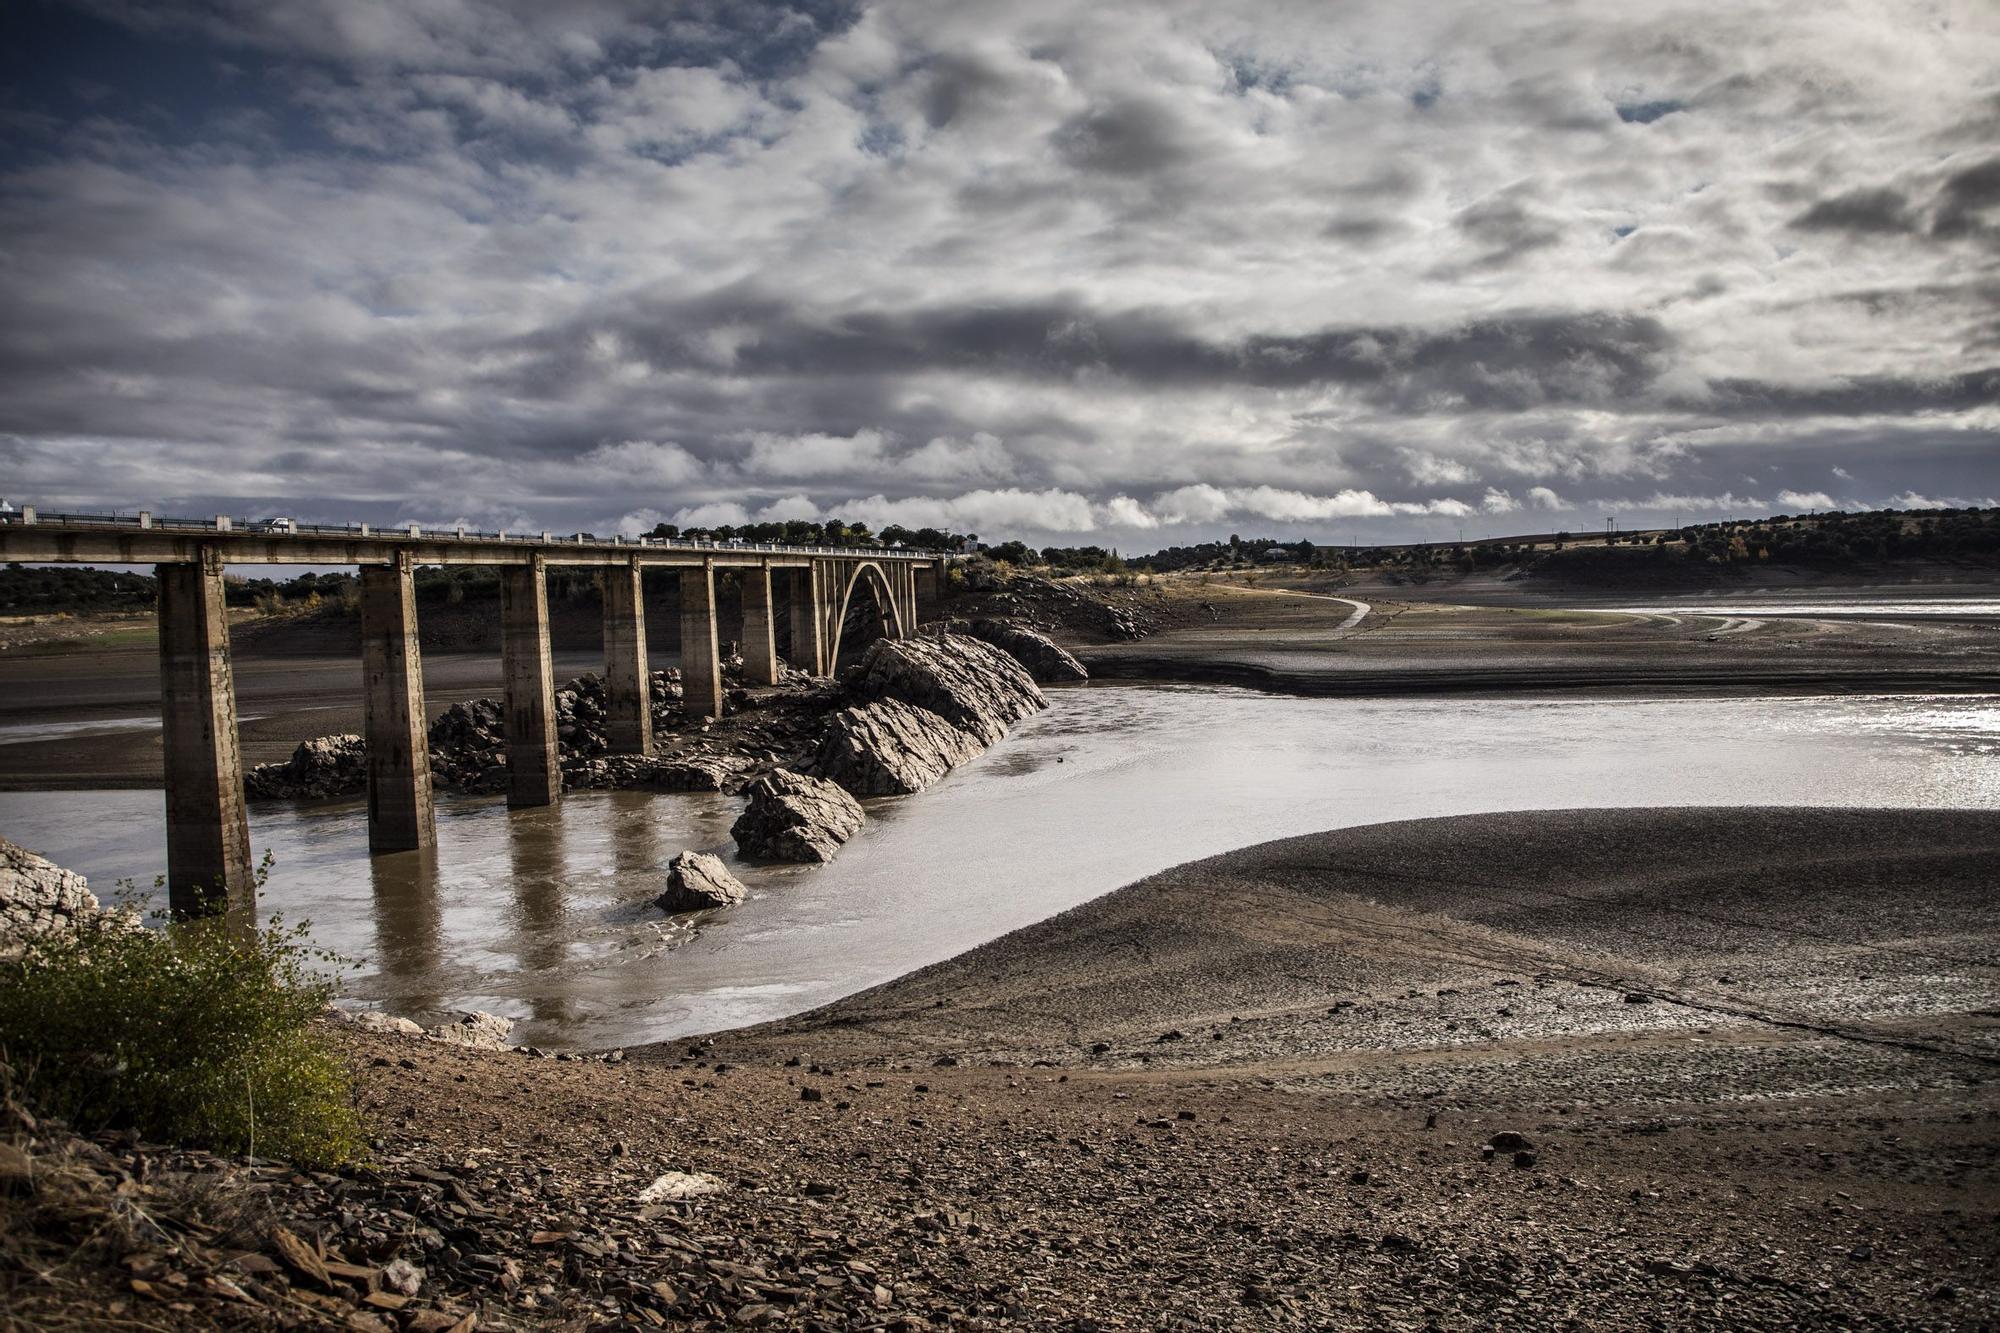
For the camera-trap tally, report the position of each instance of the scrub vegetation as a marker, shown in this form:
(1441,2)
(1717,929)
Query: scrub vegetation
(197,1034)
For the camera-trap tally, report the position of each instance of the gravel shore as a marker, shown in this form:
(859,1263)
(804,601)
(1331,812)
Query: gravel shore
(1585,1069)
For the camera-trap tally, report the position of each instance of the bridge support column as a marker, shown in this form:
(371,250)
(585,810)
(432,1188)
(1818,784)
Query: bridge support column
(929,591)
(628,679)
(808,648)
(760,629)
(208,829)
(701,660)
(534,755)
(400,814)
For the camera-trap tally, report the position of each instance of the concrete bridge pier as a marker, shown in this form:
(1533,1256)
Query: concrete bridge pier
(808,646)
(929,591)
(534,754)
(701,659)
(760,628)
(628,689)
(401,817)
(209,870)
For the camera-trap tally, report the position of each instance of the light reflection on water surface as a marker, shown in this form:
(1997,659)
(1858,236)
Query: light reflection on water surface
(546,916)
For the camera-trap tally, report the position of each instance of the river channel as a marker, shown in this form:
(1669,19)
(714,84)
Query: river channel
(545,916)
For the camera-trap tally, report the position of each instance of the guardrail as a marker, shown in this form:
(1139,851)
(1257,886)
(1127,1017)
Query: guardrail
(28,516)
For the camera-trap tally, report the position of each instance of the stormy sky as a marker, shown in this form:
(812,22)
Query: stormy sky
(1122,273)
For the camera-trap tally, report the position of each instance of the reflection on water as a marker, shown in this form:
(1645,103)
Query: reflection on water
(546,915)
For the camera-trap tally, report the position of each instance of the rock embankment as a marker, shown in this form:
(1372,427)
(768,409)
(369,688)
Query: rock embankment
(37,897)
(891,748)
(1046,660)
(974,686)
(795,817)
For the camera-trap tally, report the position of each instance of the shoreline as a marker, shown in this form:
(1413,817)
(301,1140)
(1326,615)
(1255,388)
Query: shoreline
(1719,683)
(1384,1076)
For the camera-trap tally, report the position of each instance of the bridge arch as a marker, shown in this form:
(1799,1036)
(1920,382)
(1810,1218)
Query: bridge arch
(870,577)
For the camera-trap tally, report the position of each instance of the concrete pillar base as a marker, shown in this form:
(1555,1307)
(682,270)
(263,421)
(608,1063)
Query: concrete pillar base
(760,630)
(628,680)
(808,646)
(209,871)
(401,816)
(701,661)
(534,752)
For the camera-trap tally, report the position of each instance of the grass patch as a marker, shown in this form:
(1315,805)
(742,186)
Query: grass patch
(198,1034)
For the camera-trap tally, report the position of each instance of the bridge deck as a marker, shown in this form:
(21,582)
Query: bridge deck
(114,539)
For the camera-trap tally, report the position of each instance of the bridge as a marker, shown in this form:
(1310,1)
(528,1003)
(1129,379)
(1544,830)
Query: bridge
(209,867)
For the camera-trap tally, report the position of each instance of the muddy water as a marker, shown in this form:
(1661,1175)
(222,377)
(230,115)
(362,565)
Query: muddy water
(545,915)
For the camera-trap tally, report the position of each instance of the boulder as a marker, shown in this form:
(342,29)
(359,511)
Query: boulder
(38,896)
(1047,661)
(697,881)
(891,748)
(792,817)
(972,685)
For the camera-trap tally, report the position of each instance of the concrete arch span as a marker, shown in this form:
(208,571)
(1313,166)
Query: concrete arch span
(869,577)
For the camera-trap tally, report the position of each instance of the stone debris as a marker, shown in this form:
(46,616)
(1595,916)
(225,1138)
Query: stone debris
(794,817)
(468,743)
(677,1185)
(38,896)
(697,881)
(473,1030)
(321,767)
(972,685)
(480,1031)
(891,748)
(1046,660)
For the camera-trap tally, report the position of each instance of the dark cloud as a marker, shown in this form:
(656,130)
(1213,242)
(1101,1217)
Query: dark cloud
(1869,211)
(1026,266)
(1966,199)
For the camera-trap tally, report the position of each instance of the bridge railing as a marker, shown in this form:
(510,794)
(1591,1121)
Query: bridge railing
(223,523)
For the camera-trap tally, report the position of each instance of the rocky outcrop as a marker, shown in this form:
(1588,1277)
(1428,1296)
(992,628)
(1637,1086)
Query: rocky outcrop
(891,748)
(972,685)
(697,881)
(38,896)
(1047,661)
(792,817)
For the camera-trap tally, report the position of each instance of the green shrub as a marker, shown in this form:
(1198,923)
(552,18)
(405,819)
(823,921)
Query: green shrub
(199,1034)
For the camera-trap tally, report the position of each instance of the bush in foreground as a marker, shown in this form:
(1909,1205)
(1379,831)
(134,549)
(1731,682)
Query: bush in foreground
(197,1035)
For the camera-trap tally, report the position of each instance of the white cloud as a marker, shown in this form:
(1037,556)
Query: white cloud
(813,454)
(1497,501)
(1122,511)
(1541,497)
(788,508)
(1794,501)
(633,464)
(1843,473)
(1200,503)
(714,514)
